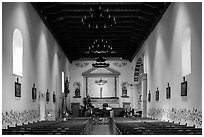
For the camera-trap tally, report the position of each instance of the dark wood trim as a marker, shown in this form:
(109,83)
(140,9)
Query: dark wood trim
(115,87)
(150,31)
(86,85)
(106,98)
(76,96)
(125,96)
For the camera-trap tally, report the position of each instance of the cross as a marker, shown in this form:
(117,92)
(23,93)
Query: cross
(101,83)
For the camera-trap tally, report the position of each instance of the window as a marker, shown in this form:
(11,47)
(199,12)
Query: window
(62,82)
(17,53)
(186,52)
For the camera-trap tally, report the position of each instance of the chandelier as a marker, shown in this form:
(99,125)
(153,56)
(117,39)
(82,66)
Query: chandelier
(100,63)
(100,46)
(98,19)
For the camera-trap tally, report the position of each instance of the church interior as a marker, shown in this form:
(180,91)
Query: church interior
(101,68)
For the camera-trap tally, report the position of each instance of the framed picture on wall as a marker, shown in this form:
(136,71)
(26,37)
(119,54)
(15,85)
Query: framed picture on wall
(47,96)
(54,97)
(184,88)
(34,93)
(140,98)
(149,97)
(17,89)
(157,95)
(168,92)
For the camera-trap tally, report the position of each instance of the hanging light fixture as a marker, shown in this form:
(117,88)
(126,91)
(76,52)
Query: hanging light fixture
(100,59)
(99,19)
(100,47)
(100,63)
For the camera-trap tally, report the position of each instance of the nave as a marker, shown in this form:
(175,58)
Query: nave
(95,68)
(105,126)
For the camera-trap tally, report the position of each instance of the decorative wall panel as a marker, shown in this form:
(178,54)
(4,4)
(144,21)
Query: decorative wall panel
(120,64)
(190,116)
(81,65)
(13,117)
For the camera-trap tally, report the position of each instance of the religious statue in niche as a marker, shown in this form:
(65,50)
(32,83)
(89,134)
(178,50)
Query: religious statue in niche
(124,86)
(77,92)
(66,85)
(77,89)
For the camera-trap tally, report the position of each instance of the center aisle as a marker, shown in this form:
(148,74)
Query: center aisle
(101,130)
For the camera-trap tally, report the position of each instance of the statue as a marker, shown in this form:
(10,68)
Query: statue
(77,89)
(66,87)
(77,92)
(124,91)
(87,106)
(101,83)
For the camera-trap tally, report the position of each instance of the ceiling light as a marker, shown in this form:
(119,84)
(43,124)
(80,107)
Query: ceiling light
(100,47)
(100,63)
(100,59)
(99,19)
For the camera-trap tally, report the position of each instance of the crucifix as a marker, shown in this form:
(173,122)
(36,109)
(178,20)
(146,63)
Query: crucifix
(101,83)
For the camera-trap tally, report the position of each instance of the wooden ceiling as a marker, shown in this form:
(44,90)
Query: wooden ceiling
(134,23)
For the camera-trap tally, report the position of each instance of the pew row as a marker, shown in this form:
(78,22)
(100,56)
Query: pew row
(72,126)
(146,126)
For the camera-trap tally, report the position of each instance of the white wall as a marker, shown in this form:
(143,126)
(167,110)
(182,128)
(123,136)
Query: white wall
(43,60)
(162,57)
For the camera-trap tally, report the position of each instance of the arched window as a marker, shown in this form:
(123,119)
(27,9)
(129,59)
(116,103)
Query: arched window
(17,53)
(137,69)
(186,52)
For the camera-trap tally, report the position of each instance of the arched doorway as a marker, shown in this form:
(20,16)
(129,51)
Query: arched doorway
(140,80)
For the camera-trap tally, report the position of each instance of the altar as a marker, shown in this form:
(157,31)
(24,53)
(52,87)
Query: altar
(112,102)
(101,83)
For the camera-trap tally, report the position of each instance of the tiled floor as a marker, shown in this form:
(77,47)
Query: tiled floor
(101,130)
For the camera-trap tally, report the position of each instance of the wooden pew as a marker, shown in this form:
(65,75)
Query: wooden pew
(134,126)
(74,126)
